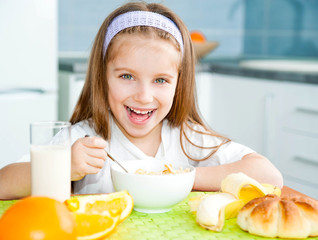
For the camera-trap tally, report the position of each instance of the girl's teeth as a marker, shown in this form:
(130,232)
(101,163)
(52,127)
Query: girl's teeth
(139,112)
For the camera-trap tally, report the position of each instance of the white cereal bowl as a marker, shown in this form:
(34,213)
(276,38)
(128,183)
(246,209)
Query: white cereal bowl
(153,193)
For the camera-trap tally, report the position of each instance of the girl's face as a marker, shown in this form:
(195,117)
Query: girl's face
(142,77)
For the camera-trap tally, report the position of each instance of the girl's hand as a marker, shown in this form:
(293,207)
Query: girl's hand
(88,157)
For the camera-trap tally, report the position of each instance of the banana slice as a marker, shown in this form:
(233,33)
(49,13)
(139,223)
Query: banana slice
(270,189)
(194,202)
(232,209)
(212,218)
(243,187)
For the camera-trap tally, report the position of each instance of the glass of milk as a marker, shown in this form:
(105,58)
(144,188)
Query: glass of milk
(51,159)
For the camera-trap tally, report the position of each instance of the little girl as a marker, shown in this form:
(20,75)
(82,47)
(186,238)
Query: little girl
(138,102)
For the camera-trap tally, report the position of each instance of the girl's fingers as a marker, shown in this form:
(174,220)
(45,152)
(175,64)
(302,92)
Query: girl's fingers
(90,170)
(94,142)
(88,156)
(96,163)
(96,153)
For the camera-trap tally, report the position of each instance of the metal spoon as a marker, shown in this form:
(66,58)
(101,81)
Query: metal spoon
(116,161)
(113,159)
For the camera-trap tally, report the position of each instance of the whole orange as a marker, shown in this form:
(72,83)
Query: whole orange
(37,218)
(197,36)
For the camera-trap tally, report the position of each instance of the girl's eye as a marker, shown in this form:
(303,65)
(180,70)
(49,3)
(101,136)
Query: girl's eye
(127,76)
(160,80)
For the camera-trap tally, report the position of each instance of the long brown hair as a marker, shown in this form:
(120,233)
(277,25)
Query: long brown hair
(93,103)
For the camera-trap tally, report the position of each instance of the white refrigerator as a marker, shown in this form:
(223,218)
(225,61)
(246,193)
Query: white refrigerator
(28,71)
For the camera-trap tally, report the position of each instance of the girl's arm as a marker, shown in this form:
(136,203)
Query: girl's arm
(254,165)
(15,180)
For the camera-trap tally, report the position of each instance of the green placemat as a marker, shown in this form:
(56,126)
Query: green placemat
(179,223)
(4,205)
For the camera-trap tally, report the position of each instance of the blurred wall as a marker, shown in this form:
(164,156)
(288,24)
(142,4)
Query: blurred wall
(281,28)
(242,27)
(223,21)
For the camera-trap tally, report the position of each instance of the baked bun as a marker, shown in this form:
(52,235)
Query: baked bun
(286,217)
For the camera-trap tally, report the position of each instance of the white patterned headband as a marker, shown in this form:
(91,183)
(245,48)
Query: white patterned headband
(142,18)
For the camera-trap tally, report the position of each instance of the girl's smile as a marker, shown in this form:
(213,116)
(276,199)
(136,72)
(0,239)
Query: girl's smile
(139,116)
(142,75)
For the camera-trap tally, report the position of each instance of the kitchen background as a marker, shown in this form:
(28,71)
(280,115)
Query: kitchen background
(243,27)
(272,108)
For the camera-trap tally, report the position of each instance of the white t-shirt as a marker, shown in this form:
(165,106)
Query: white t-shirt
(169,150)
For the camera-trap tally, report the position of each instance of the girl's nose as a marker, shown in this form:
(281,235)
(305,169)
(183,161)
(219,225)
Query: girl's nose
(143,93)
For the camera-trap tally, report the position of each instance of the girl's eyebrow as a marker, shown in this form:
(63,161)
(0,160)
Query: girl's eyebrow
(164,75)
(119,69)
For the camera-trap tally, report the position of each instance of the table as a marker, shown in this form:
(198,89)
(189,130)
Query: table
(287,191)
(179,223)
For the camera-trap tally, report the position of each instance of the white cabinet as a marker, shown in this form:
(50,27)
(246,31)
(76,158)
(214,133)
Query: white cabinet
(19,109)
(204,90)
(275,118)
(70,88)
(297,137)
(239,108)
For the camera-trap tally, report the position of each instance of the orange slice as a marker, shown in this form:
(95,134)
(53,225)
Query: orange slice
(98,215)
(94,226)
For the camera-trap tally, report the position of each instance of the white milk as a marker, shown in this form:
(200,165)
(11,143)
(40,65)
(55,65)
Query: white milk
(51,171)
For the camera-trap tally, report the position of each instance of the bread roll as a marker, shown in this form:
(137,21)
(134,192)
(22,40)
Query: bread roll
(286,217)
